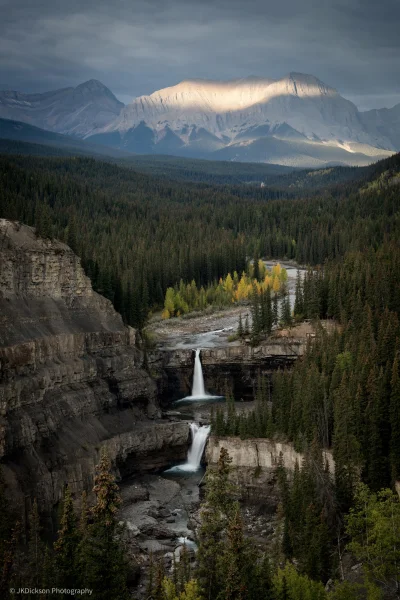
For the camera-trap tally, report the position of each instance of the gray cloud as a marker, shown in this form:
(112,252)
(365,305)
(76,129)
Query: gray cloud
(138,46)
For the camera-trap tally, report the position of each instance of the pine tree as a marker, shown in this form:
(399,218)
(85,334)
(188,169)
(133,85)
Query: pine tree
(298,302)
(66,546)
(345,445)
(256,269)
(395,421)
(377,465)
(286,312)
(256,324)
(275,311)
(35,548)
(43,222)
(101,554)
(216,512)
(235,563)
(49,575)
(374,527)
(72,239)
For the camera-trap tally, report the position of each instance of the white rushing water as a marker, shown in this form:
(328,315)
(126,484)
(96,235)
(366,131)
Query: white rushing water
(199,392)
(200,434)
(198,389)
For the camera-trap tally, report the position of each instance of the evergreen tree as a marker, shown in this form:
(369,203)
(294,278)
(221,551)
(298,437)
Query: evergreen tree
(298,302)
(72,238)
(35,547)
(286,312)
(275,311)
(43,221)
(101,554)
(235,563)
(374,527)
(395,421)
(49,575)
(346,447)
(66,546)
(216,512)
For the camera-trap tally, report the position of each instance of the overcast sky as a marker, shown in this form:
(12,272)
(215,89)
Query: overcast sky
(138,46)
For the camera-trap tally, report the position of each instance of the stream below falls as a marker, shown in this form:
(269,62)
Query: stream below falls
(160,510)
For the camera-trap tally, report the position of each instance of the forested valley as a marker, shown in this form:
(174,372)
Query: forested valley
(152,245)
(137,235)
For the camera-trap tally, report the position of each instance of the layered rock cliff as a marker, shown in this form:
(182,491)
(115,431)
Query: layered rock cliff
(259,453)
(71,378)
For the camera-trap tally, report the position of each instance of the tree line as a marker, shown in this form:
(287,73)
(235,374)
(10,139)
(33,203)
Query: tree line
(138,235)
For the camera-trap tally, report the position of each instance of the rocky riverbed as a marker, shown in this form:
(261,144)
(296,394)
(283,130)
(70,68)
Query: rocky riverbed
(157,513)
(212,329)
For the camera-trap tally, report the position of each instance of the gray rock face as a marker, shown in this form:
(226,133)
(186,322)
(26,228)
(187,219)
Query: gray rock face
(296,120)
(384,121)
(71,378)
(72,111)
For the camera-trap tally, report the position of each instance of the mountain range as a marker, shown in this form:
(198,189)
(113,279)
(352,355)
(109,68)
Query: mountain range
(296,121)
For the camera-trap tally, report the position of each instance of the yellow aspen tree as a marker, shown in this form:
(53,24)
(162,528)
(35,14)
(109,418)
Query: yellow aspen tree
(228,284)
(241,292)
(261,268)
(267,281)
(276,270)
(276,285)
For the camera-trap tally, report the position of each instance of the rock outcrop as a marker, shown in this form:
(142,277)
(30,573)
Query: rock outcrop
(254,463)
(259,453)
(71,378)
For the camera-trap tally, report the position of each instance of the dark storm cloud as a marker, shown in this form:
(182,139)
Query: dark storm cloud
(136,47)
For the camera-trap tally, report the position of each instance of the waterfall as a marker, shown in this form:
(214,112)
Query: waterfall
(198,389)
(200,434)
(199,440)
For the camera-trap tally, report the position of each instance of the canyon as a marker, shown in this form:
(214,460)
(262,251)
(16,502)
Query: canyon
(72,378)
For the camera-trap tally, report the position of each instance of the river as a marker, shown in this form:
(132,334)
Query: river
(213,330)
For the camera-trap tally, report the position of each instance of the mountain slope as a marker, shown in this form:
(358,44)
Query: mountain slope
(297,120)
(22,132)
(384,122)
(71,111)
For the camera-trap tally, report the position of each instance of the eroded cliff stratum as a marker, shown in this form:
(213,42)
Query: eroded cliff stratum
(71,378)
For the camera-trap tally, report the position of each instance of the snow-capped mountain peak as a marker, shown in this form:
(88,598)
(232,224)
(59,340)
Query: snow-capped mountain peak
(296,119)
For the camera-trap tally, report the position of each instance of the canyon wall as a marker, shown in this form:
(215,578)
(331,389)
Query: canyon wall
(71,378)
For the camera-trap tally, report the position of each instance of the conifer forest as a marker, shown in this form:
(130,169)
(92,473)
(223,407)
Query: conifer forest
(176,248)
